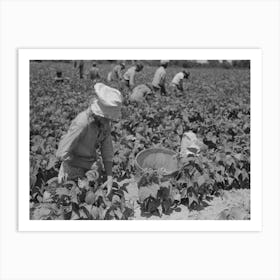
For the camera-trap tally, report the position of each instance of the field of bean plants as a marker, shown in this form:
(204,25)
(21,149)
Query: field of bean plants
(215,106)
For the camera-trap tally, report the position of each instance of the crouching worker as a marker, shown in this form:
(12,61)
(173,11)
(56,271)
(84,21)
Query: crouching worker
(177,82)
(60,78)
(160,77)
(129,75)
(89,131)
(116,73)
(141,93)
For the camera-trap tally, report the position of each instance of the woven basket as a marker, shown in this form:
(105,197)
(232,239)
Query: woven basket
(156,159)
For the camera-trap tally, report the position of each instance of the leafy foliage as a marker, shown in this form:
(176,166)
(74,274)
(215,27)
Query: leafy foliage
(215,105)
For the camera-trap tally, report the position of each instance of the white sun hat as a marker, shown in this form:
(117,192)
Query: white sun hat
(164,62)
(108,102)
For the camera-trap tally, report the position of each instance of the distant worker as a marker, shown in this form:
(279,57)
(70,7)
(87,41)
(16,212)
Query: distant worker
(160,77)
(59,78)
(81,69)
(116,73)
(140,93)
(129,75)
(94,72)
(177,82)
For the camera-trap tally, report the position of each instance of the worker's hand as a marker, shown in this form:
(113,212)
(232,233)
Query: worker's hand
(108,184)
(67,157)
(62,175)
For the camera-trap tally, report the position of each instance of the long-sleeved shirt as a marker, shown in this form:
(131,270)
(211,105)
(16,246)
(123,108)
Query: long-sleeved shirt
(117,72)
(78,146)
(159,78)
(178,80)
(129,75)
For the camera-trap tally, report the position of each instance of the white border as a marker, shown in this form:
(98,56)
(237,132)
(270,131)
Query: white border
(255,224)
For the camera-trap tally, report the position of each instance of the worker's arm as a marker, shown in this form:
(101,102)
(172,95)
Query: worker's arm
(69,141)
(107,157)
(162,82)
(119,73)
(132,80)
(107,152)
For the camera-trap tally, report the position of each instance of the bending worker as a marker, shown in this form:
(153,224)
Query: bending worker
(160,77)
(177,82)
(88,131)
(140,93)
(116,73)
(129,75)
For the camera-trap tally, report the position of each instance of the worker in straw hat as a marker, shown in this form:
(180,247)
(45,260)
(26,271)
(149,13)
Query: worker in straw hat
(89,130)
(129,75)
(116,73)
(160,77)
(177,82)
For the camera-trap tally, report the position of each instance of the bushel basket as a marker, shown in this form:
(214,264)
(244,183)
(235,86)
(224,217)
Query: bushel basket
(160,159)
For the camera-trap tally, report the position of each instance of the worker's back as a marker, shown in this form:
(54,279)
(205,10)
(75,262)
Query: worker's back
(159,77)
(178,78)
(139,93)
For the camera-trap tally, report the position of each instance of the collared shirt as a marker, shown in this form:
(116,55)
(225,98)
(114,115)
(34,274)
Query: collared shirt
(159,77)
(139,93)
(84,136)
(178,78)
(129,75)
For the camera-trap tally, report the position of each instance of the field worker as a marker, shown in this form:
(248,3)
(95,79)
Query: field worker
(177,82)
(160,77)
(81,69)
(116,73)
(140,93)
(94,72)
(129,75)
(58,77)
(88,131)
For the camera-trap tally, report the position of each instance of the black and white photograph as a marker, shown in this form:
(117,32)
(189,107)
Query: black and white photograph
(140,139)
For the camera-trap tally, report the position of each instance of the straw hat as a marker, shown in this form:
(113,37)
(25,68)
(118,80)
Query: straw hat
(164,62)
(108,102)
